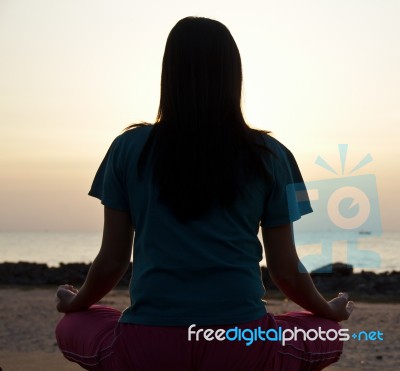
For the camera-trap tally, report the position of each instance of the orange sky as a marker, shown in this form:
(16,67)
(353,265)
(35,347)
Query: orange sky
(74,74)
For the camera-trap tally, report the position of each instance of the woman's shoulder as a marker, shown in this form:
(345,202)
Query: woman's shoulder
(137,130)
(131,139)
(276,147)
(134,134)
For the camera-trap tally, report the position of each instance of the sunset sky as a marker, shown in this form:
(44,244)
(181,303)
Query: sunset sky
(73,74)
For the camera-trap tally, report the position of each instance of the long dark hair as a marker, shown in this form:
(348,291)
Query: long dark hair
(204,150)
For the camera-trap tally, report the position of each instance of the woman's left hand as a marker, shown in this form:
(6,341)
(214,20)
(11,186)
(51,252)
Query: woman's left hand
(65,297)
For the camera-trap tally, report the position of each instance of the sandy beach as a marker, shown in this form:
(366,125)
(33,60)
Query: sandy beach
(28,318)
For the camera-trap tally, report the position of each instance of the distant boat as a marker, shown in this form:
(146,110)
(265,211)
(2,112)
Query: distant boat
(362,231)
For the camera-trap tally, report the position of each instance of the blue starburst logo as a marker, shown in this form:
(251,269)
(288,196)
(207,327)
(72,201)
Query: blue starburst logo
(346,208)
(343,156)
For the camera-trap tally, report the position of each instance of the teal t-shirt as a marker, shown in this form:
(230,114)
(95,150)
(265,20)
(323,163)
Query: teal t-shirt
(206,271)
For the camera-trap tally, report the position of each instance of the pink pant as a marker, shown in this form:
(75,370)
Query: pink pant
(97,341)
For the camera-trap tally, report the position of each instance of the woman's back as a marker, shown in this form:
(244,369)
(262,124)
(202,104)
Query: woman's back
(203,271)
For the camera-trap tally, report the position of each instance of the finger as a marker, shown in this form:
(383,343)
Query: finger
(344,295)
(73,289)
(62,293)
(65,287)
(350,307)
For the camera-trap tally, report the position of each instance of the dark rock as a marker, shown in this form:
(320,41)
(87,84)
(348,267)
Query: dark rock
(335,269)
(341,278)
(23,273)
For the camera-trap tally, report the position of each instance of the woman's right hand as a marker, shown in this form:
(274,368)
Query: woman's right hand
(341,307)
(65,297)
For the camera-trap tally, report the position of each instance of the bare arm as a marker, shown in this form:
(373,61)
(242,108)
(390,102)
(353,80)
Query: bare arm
(283,265)
(108,267)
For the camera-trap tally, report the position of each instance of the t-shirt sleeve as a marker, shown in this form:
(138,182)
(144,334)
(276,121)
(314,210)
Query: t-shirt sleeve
(287,199)
(109,182)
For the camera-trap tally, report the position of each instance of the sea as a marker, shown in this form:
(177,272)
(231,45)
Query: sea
(377,253)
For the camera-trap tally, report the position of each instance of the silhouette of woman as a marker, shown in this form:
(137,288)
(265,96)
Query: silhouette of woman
(193,189)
